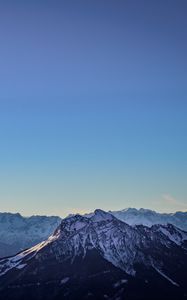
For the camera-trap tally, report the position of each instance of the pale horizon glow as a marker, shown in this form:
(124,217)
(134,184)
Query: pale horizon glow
(175,207)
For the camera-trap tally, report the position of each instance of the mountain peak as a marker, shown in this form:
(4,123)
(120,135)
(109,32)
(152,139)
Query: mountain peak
(101,215)
(72,224)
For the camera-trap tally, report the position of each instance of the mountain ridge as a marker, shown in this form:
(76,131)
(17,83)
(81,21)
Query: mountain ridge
(18,233)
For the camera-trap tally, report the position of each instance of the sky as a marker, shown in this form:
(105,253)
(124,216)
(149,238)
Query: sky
(93,105)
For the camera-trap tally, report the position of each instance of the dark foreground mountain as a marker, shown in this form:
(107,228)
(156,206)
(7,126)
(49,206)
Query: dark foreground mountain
(100,258)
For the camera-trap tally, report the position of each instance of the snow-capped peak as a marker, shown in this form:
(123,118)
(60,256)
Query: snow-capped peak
(72,224)
(101,215)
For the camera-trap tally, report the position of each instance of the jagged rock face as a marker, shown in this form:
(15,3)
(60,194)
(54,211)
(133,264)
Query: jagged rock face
(106,256)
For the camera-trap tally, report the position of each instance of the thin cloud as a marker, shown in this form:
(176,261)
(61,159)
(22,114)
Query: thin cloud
(173,202)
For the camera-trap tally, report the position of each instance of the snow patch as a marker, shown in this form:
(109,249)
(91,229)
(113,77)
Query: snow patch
(165,276)
(64,280)
(120,282)
(21,266)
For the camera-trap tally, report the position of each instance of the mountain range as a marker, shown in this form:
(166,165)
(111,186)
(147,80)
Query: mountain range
(147,217)
(18,233)
(100,257)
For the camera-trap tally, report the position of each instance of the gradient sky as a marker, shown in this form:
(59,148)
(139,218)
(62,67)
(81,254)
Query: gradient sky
(93,105)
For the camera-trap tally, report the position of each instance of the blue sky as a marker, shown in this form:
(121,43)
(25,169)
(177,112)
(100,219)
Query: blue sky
(93,105)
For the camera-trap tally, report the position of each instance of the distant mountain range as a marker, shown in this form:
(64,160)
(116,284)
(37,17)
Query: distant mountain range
(100,257)
(18,233)
(147,217)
